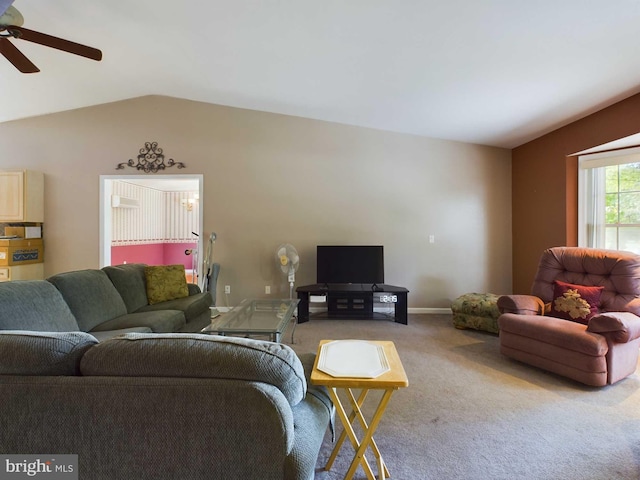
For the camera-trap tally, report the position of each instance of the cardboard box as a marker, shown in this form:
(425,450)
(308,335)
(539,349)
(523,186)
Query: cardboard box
(22,272)
(21,252)
(24,232)
(17,231)
(32,232)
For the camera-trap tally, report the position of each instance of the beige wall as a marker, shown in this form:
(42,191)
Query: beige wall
(271,179)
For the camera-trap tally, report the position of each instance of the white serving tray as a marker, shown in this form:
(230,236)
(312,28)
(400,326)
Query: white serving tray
(353,358)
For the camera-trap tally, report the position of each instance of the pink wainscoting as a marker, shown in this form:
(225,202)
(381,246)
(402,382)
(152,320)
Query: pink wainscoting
(174,254)
(153,254)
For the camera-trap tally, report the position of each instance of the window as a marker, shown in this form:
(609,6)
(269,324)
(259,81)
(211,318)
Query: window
(609,206)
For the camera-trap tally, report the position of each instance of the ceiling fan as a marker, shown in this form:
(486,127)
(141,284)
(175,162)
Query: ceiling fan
(11,21)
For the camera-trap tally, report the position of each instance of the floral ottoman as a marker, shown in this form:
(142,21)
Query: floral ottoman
(476,310)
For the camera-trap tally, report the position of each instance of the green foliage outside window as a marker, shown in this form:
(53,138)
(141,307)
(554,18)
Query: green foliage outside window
(622,206)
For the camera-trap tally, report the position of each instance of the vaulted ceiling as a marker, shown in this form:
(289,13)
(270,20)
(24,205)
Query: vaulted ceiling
(494,72)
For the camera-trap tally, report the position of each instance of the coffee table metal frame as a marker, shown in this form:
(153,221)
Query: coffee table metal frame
(388,382)
(256,316)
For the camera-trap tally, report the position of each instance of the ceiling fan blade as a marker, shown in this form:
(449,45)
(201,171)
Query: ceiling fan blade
(16,57)
(55,42)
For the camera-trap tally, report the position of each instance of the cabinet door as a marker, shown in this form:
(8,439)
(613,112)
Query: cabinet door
(12,196)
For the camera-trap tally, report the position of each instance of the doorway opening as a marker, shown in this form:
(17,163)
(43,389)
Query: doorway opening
(157,220)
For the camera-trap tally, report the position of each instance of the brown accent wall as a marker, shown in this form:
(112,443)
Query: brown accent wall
(545,184)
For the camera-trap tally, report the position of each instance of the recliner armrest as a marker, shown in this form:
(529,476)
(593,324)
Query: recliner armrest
(620,327)
(521,304)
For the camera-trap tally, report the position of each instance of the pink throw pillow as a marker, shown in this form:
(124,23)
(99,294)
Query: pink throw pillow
(575,302)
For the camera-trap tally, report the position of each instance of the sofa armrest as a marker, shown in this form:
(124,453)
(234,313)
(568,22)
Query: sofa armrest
(620,327)
(521,304)
(193,289)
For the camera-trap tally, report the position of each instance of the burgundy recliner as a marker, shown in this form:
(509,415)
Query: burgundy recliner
(598,353)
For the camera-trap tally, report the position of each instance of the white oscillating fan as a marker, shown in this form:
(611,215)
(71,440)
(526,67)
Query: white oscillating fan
(288,260)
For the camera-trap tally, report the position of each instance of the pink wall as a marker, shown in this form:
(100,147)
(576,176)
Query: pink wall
(153,254)
(174,254)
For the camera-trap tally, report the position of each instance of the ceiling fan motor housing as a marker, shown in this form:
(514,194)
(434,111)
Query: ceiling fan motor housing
(11,17)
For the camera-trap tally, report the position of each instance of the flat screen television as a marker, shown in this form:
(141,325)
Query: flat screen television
(350,264)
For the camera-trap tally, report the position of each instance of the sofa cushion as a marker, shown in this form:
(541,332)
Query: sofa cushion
(43,353)
(192,306)
(165,282)
(34,305)
(90,295)
(199,356)
(575,302)
(130,282)
(158,321)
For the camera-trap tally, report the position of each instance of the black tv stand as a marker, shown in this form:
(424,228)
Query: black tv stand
(353,300)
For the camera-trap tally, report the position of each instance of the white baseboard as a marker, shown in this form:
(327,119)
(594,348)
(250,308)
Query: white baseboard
(386,310)
(427,310)
(431,310)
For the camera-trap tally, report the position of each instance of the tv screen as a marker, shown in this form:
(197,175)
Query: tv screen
(350,264)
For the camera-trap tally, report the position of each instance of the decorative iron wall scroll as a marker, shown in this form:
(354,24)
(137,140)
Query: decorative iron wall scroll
(150,160)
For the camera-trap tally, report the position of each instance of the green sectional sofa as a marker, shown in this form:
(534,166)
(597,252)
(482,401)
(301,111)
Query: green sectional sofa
(89,367)
(104,302)
(162,406)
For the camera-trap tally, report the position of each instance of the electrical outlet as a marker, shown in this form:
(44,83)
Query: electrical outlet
(267,289)
(227,289)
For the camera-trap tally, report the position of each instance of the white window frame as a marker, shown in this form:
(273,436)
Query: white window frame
(590,189)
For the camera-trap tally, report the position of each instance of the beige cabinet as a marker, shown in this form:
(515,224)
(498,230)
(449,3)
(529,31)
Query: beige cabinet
(21,196)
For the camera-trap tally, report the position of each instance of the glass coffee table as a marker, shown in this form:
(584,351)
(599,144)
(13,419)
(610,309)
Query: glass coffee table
(256,316)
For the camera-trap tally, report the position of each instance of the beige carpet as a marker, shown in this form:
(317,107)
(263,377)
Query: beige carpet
(470,413)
